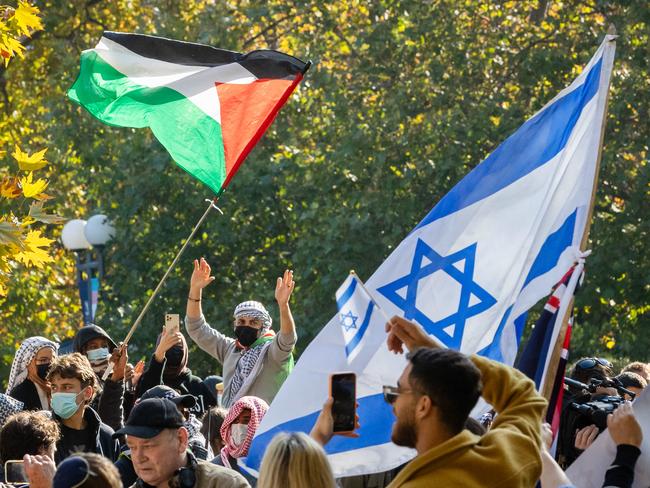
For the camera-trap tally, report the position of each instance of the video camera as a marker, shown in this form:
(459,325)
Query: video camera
(597,409)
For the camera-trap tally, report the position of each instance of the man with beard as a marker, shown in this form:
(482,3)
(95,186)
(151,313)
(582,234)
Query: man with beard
(432,401)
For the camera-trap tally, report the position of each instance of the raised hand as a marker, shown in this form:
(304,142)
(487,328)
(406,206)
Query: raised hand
(167,341)
(401,333)
(323,429)
(284,288)
(39,470)
(200,276)
(119,358)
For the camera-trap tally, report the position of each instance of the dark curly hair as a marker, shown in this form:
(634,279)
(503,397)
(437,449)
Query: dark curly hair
(27,433)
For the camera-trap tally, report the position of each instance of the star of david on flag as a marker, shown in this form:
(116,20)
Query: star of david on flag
(488,251)
(355,311)
(459,266)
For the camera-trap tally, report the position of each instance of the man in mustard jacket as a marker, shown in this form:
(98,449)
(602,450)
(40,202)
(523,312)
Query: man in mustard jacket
(434,397)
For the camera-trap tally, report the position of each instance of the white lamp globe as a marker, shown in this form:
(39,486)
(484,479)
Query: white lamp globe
(99,230)
(73,236)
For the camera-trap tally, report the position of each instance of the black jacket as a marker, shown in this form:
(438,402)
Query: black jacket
(26,393)
(88,332)
(184,383)
(103,444)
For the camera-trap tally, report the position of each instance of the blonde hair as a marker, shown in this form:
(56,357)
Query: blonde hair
(295,460)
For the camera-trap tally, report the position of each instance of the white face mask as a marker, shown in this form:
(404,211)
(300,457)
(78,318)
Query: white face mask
(238,433)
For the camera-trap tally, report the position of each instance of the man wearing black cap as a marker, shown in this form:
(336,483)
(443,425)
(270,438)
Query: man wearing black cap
(158,442)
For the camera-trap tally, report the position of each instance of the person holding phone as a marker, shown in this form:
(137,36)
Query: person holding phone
(168,366)
(257,361)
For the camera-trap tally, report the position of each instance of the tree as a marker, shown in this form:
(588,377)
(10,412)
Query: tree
(403,100)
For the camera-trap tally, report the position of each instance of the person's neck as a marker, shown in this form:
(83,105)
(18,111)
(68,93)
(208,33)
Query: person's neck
(431,435)
(77,420)
(182,464)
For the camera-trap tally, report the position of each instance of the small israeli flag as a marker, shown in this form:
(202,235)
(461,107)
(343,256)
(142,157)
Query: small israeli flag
(355,311)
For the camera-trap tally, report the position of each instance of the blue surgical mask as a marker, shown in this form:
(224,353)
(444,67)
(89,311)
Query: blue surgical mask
(96,355)
(65,404)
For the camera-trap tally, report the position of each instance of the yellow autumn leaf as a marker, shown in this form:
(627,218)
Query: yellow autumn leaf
(30,189)
(26,18)
(9,47)
(27,162)
(35,250)
(9,188)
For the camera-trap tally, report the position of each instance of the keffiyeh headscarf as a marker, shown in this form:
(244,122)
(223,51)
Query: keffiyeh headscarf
(256,310)
(258,408)
(24,356)
(8,407)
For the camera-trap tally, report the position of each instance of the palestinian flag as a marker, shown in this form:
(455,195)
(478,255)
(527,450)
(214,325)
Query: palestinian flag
(207,106)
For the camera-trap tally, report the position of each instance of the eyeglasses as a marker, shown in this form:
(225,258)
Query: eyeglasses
(392,392)
(590,363)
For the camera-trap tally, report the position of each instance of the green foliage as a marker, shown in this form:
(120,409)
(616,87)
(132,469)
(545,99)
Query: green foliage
(404,98)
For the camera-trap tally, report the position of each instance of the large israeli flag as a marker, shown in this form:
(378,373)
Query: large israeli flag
(468,273)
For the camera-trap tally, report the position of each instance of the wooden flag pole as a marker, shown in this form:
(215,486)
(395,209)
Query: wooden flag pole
(547,387)
(138,320)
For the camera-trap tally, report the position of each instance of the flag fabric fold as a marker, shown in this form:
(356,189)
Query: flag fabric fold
(208,107)
(494,246)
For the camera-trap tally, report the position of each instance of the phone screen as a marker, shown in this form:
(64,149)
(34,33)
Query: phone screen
(15,472)
(172,323)
(343,388)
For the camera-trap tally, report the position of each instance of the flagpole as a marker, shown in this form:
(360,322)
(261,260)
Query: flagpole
(138,320)
(547,386)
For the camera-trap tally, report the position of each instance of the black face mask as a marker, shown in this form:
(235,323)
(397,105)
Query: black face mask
(174,356)
(246,335)
(41,370)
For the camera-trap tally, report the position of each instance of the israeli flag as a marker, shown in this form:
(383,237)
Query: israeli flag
(355,311)
(468,273)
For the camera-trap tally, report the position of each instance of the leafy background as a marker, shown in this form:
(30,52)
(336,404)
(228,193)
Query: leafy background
(404,98)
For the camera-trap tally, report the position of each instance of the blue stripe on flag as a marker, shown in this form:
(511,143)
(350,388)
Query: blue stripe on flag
(340,301)
(370,433)
(349,347)
(552,249)
(533,144)
(493,350)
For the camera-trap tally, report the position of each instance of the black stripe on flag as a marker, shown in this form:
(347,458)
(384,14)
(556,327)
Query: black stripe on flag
(263,63)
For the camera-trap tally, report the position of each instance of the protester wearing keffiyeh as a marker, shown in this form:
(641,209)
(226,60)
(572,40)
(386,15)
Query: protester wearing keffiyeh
(21,370)
(232,448)
(8,407)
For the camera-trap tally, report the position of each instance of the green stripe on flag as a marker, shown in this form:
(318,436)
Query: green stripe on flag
(192,138)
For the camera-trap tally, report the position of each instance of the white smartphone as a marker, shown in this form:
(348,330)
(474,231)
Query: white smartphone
(15,472)
(172,323)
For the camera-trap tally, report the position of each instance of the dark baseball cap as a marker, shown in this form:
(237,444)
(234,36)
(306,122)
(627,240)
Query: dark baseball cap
(164,391)
(150,417)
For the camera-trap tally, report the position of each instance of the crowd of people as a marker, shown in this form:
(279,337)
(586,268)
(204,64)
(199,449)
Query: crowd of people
(161,426)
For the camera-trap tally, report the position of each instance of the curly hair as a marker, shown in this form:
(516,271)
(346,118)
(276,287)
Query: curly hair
(74,366)
(28,433)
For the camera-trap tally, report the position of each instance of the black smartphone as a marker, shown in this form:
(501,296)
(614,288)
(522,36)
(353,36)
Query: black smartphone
(15,472)
(343,389)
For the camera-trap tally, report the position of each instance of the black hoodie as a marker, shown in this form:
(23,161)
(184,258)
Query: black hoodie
(110,402)
(97,437)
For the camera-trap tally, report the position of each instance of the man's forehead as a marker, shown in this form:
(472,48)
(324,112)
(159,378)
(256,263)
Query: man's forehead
(65,381)
(403,380)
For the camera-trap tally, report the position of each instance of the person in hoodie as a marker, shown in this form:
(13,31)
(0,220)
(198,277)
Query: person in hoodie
(74,385)
(27,379)
(112,400)
(168,366)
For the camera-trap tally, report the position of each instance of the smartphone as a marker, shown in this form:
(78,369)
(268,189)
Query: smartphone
(15,472)
(343,389)
(172,323)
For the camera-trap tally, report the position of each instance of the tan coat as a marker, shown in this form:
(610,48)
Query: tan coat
(507,456)
(210,475)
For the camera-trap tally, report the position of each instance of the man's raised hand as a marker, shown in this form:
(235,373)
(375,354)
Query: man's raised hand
(200,275)
(402,332)
(284,288)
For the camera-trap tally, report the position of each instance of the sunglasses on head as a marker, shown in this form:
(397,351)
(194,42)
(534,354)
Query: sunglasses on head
(72,473)
(590,363)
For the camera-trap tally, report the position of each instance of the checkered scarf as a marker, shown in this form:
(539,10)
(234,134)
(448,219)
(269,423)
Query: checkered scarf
(8,407)
(256,310)
(258,408)
(24,356)
(247,362)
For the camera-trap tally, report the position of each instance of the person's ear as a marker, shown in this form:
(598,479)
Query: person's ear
(88,394)
(423,407)
(183,438)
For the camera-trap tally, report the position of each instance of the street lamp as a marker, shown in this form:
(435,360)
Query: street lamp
(87,239)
